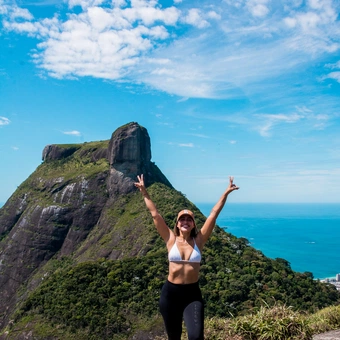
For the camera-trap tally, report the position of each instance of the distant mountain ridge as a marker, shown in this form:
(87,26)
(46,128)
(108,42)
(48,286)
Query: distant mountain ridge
(79,214)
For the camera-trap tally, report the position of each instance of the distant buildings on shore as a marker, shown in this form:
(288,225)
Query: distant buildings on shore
(335,282)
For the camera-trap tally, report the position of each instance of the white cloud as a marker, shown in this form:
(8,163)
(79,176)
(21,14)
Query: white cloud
(22,27)
(195,18)
(229,47)
(335,65)
(183,99)
(72,133)
(280,117)
(150,15)
(333,75)
(213,15)
(100,41)
(182,145)
(20,13)
(322,117)
(3,7)
(84,3)
(303,109)
(198,69)
(268,121)
(15,148)
(119,3)
(186,145)
(258,8)
(235,3)
(199,135)
(318,14)
(144,3)
(4,121)
(320,4)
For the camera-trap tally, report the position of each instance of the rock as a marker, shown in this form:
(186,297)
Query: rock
(54,152)
(332,335)
(52,215)
(129,155)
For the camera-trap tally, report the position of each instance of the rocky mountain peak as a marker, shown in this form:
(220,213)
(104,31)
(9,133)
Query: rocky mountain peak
(69,195)
(130,144)
(129,155)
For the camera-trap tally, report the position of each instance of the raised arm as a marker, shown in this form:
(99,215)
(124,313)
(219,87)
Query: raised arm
(209,224)
(158,220)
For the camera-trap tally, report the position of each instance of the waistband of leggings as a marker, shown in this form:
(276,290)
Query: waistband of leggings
(184,285)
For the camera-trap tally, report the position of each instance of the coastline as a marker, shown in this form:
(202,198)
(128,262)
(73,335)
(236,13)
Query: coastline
(333,280)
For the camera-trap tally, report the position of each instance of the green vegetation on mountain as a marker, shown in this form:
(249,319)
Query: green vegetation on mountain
(104,299)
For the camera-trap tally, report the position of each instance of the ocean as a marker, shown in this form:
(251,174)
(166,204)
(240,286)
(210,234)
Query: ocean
(306,235)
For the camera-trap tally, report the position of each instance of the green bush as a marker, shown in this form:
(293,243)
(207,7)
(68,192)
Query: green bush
(325,320)
(104,297)
(276,323)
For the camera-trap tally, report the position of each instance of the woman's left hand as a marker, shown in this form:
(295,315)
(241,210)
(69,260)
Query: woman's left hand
(232,186)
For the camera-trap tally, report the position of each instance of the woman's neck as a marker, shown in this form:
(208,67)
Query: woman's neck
(184,237)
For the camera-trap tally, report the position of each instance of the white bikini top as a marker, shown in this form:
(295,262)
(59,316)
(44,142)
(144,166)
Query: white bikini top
(175,256)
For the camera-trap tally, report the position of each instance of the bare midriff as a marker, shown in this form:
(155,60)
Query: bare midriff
(183,272)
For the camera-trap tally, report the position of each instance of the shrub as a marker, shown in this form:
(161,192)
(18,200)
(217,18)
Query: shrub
(325,320)
(276,323)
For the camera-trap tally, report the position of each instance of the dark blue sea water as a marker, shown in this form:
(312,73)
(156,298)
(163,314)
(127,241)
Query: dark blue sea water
(306,235)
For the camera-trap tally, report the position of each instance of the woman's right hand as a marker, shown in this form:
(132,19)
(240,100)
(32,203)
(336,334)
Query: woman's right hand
(158,220)
(140,184)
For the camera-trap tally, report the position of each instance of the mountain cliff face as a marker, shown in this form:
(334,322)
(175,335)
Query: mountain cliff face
(67,197)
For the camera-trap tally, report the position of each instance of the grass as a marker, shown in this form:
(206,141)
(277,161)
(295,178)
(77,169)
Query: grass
(272,323)
(325,320)
(275,323)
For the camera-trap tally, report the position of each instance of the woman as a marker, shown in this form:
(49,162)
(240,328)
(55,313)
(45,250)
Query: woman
(181,296)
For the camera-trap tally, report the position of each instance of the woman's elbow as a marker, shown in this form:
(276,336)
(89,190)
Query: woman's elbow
(155,215)
(213,216)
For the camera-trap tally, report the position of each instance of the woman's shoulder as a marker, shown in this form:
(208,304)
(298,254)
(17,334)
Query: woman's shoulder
(199,240)
(171,241)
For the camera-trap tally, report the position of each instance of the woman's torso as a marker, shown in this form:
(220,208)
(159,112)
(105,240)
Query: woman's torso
(184,261)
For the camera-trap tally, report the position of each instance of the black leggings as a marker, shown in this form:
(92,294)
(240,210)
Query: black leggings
(178,301)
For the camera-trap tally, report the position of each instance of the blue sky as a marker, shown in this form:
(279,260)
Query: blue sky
(248,88)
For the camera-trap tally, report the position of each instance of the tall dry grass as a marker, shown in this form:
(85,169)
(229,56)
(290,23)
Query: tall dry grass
(273,323)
